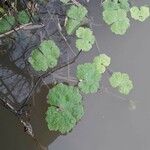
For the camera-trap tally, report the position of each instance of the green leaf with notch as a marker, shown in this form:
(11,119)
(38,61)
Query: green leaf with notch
(89,78)
(45,56)
(140,14)
(122,82)
(101,62)
(23,17)
(85,39)
(115,15)
(66,108)
(76,15)
(6,23)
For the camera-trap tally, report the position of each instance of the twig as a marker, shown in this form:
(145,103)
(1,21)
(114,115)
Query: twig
(28,26)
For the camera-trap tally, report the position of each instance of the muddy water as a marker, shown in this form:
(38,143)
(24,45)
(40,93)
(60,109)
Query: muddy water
(109,122)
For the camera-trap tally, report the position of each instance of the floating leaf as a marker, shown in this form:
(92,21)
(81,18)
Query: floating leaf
(115,4)
(75,15)
(65,1)
(102,61)
(115,14)
(85,39)
(45,56)
(122,82)
(89,78)
(140,14)
(6,23)
(66,108)
(120,27)
(23,17)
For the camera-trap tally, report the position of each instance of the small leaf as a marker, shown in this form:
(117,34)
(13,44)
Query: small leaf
(6,23)
(89,78)
(102,61)
(23,17)
(75,15)
(122,82)
(66,108)
(45,56)
(65,1)
(120,27)
(140,14)
(85,39)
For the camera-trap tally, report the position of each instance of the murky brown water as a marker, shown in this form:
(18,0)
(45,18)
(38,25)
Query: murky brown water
(109,123)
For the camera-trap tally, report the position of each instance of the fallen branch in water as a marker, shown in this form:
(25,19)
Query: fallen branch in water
(28,26)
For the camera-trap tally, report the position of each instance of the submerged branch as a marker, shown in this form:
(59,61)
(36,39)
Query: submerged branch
(28,26)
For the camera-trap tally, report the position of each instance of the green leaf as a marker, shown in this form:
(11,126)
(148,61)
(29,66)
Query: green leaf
(140,14)
(120,27)
(112,16)
(6,23)
(115,4)
(122,82)
(115,14)
(85,39)
(23,17)
(101,62)
(45,56)
(66,108)
(75,15)
(89,78)
(65,1)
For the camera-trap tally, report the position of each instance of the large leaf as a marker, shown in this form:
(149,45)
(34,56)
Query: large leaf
(45,56)
(122,82)
(66,108)
(85,39)
(140,14)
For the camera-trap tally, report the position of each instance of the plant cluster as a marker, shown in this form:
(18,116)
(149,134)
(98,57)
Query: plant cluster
(8,22)
(65,101)
(115,14)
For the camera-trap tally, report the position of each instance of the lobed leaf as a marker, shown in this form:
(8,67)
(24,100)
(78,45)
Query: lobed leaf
(75,15)
(85,39)
(23,17)
(140,14)
(115,14)
(122,82)
(65,1)
(45,56)
(101,62)
(66,108)
(89,78)
(6,23)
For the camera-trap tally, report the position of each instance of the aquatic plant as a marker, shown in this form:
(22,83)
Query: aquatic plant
(85,39)
(140,14)
(45,56)
(115,14)
(65,109)
(75,15)
(122,82)
(6,23)
(65,101)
